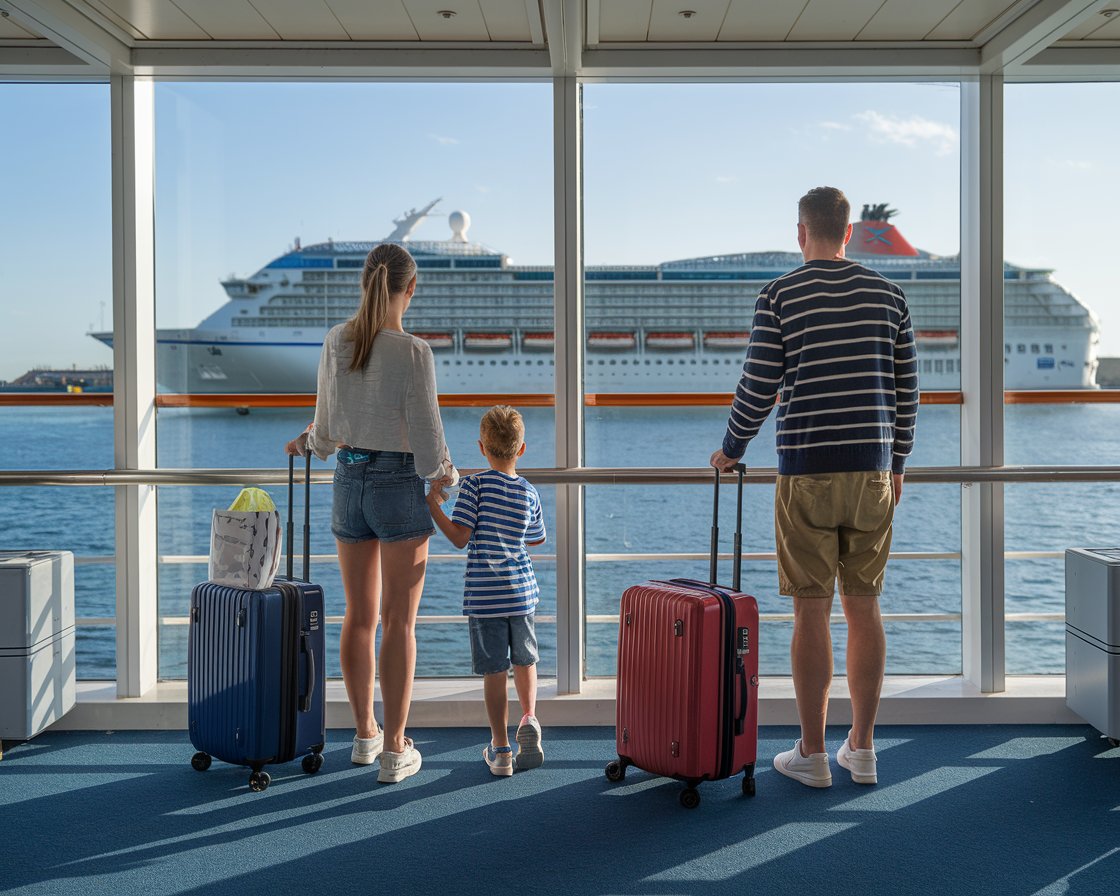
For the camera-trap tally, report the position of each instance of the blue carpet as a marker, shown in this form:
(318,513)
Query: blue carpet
(958,809)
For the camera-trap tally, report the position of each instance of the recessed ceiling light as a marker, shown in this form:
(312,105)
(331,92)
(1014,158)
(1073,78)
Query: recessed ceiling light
(687,13)
(446,13)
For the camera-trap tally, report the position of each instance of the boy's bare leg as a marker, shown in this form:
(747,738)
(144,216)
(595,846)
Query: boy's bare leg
(497,707)
(525,680)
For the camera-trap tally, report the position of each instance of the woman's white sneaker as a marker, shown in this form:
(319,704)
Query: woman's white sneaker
(367,749)
(861,763)
(811,770)
(398,766)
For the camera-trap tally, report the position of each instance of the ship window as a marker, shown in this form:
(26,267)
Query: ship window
(1048,348)
(938,366)
(505,363)
(1007,349)
(1034,348)
(613,362)
(243,311)
(1021,348)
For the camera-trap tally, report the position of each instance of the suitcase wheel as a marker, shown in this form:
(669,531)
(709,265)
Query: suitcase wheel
(690,797)
(200,761)
(616,770)
(748,786)
(259,781)
(312,762)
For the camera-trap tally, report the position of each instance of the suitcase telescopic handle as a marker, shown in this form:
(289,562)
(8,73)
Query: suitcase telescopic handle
(736,569)
(306,516)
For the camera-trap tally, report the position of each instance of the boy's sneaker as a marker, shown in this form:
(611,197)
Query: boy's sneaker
(861,763)
(398,766)
(367,749)
(529,751)
(500,760)
(812,770)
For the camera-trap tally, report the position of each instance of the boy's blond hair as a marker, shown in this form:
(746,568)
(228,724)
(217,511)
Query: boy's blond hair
(502,431)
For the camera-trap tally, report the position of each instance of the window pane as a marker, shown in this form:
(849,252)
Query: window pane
(56,291)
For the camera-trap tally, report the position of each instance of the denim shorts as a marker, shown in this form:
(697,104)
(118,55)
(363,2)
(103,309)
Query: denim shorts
(377,494)
(498,641)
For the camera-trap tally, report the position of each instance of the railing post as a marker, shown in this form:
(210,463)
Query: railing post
(568,298)
(134,412)
(982,516)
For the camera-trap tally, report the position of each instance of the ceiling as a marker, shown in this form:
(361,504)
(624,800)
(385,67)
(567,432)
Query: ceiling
(592,38)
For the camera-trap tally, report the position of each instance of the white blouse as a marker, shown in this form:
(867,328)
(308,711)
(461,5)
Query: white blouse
(391,405)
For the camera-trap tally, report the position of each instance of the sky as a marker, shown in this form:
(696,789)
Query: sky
(670,171)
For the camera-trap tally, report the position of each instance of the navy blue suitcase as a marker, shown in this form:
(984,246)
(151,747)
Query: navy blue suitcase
(255,668)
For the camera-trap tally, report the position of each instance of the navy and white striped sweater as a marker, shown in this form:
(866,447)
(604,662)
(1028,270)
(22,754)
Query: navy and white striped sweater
(835,339)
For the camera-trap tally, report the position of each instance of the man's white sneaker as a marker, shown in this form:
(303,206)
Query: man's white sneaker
(812,770)
(500,760)
(530,754)
(367,749)
(861,763)
(398,766)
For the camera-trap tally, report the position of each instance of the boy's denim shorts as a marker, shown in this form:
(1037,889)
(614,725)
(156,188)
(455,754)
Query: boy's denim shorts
(499,641)
(377,494)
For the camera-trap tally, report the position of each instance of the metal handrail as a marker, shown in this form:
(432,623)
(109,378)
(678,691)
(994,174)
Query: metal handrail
(548,476)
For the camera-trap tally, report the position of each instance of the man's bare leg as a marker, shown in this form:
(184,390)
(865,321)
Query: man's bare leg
(811,662)
(866,661)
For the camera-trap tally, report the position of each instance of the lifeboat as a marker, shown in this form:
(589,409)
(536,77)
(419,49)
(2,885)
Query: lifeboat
(670,341)
(611,342)
(436,340)
(538,342)
(726,339)
(937,338)
(488,342)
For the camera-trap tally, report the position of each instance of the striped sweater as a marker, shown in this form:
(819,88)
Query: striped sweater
(833,343)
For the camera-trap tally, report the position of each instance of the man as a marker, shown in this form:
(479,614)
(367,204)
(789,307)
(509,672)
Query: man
(833,344)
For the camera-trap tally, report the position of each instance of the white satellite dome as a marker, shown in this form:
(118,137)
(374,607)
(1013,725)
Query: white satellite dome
(459,222)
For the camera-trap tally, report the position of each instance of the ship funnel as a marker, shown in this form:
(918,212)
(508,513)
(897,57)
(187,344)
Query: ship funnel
(873,234)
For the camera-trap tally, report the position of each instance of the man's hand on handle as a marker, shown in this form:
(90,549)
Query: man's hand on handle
(722,462)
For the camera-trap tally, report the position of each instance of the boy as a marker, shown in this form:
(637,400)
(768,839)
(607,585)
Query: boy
(497,513)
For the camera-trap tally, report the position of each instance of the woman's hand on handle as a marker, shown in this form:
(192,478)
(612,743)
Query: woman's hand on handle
(298,445)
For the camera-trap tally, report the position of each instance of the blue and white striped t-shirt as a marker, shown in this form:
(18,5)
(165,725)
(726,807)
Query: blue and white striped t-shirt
(833,343)
(504,512)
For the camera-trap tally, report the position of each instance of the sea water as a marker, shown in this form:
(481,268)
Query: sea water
(625,524)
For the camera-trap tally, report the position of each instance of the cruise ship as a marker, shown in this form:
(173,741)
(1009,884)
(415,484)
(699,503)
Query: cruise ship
(671,327)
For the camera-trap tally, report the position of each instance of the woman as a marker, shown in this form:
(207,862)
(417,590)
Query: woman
(376,405)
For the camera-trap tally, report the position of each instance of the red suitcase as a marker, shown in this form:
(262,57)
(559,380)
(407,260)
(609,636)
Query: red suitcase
(687,704)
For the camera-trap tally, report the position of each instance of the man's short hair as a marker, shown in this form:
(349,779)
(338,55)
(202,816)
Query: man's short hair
(825,212)
(502,431)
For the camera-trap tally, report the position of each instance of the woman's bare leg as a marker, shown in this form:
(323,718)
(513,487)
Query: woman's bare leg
(361,582)
(403,564)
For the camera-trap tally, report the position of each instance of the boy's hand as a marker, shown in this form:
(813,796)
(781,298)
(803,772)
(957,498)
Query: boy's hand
(436,494)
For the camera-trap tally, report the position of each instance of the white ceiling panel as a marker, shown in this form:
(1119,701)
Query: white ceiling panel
(750,20)
(466,24)
(833,21)
(228,20)
(906,19)
(384,20)
(624,20)
(969,19)
(506,20)
(1097,27)
(146,20)
(667,23)
(301,19)
(9,30)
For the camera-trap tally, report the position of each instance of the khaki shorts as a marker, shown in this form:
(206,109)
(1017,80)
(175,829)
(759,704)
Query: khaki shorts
(829,525)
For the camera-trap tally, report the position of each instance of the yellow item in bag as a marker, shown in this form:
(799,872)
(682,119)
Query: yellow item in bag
(253,499)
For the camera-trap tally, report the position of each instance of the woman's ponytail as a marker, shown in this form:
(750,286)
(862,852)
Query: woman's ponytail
(387,272)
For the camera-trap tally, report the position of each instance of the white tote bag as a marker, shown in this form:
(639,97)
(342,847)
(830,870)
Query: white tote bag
(245,548)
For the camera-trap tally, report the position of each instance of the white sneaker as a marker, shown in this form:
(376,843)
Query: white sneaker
(812,770)
(367,749)
(530,754)
(861,763)
(398,766)
(500,760)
